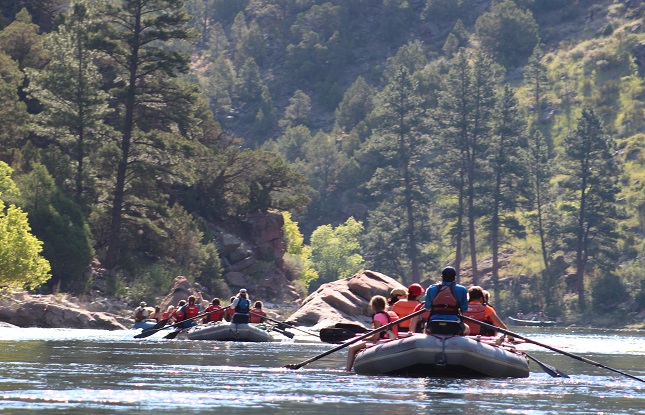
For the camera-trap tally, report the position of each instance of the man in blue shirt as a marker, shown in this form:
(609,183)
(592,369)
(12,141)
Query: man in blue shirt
(446,301)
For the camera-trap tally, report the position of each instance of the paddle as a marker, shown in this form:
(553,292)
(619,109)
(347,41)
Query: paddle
(552,371)
(354,340)
(282,325)
(546,346)
(151,331)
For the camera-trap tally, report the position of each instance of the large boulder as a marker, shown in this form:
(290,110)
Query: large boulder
(37,313)
(344,301)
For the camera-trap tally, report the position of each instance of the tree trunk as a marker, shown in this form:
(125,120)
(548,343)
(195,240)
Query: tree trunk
(580,247)
(114,239)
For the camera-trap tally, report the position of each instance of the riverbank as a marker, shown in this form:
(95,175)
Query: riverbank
(22,309)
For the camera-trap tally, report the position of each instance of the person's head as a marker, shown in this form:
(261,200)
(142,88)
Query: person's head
(170,308)
(242,293)
(142,304)
(448,274)
(216,301)
(192,299)
(258,305)
(181,303)
(414,291)
(157,308)
(230,300)
(397,294)
(378,303)
(486,296)
(475,293)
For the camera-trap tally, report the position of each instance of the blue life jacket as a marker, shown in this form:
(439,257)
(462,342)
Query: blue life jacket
(243,306)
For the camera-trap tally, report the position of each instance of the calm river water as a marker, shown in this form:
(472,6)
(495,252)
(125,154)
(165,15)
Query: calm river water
(55,371)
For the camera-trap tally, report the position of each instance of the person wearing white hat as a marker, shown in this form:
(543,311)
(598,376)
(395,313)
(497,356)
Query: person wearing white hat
(242,305)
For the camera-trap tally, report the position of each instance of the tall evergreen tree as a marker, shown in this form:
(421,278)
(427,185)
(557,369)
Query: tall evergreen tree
(535,77)
(69,89)
(401,138)
(464,117)
(592,181)
(483,103)
(539,166)
(135,35)
(452,120)
(507,162)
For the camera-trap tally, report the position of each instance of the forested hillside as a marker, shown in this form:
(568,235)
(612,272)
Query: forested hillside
(503,137)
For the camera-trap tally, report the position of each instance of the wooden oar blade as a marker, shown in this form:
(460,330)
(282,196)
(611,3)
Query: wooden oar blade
(335,335)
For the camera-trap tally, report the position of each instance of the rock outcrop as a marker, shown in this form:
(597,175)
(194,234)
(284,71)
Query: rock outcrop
(344,301)
(255,259)
(46,312)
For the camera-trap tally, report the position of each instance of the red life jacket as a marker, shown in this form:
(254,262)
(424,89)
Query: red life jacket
(391,316)
(190,311)
(178,315)
(216,313)
(445,302)
(254,317)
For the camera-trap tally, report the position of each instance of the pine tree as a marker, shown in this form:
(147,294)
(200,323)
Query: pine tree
(507,162)
(134,36)
(402,141)
(69,89)
(592,184)
(541,172)
(464,119)
(535,77)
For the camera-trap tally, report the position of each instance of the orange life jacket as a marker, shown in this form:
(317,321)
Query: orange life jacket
(476,311)
(445,301)
(404,308)
(254,317)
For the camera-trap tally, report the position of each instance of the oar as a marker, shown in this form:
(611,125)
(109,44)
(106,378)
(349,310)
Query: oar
(151,331)
(283,332)
(546,346)
(356,339)
(282,325)
(552,371)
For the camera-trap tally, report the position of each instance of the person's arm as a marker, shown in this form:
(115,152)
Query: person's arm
(497,321)
(463,300)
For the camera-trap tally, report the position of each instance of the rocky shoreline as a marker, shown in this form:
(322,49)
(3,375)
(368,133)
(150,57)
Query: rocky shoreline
(342,301)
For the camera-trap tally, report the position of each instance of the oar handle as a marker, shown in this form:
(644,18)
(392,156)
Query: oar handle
(546,346)
(356,339)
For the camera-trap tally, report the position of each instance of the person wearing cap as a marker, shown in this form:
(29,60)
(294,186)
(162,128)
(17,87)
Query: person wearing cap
(141,313)
(406,306)
(395,295)
(242,305)
(446,301)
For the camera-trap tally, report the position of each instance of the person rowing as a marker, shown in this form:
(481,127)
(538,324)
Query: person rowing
(241,305)
(446,301)
(215,310)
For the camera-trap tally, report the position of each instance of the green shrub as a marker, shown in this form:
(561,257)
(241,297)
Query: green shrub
(607,292)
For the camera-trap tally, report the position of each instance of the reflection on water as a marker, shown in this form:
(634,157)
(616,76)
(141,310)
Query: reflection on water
(49,371)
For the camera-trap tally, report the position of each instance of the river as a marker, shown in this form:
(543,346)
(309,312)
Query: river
(63,371)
